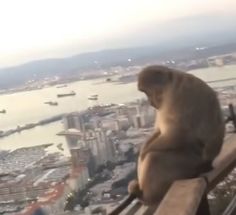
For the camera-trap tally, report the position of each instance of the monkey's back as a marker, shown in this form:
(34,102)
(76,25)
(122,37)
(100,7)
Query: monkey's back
(196,110)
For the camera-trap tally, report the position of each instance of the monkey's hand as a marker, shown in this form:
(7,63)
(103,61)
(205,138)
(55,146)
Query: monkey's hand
(134,189)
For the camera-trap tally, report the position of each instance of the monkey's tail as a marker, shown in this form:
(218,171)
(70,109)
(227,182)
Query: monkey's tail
(123,205)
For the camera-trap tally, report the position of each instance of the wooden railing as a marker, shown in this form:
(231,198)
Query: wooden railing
(189,197)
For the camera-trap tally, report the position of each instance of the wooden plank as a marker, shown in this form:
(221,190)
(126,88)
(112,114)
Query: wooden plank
(183,198)
(231,208)
(224,163)
(142,211)
(132,208)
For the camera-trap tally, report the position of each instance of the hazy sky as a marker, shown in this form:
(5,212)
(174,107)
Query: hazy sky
(33,29)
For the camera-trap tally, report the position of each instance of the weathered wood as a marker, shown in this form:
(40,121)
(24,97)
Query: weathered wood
(125,203)
(224,163)
(142,211)
(231,209)
(132,208)
(183,198)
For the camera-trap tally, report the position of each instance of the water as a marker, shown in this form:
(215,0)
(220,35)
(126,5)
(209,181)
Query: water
(34,136)
(217,73)
(27,107)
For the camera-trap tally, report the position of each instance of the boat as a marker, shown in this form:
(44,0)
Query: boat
(93,97)
(61,86)
(72,93)
(3,111)
(51,103)
(60,146)
(28,126)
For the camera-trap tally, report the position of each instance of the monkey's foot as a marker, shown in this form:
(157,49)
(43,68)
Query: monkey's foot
(206,166)
(133,188)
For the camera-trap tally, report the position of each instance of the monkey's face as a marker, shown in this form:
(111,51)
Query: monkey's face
(154,96)
(153,81)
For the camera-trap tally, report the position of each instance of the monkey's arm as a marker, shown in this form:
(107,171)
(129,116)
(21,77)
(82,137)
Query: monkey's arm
(153,137)
(159,142)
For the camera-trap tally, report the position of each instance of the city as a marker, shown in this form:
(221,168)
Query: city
(103,142)
(74,117)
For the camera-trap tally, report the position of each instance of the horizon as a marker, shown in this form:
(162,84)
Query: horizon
(71,29)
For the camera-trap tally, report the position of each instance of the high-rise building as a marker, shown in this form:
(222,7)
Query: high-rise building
(74,138)
(79,156)
(76,145)
(74,120)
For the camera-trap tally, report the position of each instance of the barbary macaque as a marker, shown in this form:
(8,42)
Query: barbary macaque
(189,136)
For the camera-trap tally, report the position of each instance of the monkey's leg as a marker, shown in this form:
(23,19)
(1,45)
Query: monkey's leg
(204,167)
(153,178)
(212,149)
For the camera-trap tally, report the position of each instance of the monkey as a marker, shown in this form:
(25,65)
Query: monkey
(189,135)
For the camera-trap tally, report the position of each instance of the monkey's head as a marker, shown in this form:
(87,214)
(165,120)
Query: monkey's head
(153,81)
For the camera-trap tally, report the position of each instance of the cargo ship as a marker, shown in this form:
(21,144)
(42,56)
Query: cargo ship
(3,111)
(61,86)
(51,103)
(72,93)
(93,97)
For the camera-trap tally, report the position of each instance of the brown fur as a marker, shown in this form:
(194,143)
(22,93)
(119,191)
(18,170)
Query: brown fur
(190,134)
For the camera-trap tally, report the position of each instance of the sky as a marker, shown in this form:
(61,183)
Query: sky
(37,29)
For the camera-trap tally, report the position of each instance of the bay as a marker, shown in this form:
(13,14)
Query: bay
(28,107)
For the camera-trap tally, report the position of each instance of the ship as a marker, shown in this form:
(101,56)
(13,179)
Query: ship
(3,111)
(61,86)
(72,93)
(93,97)
(51,103)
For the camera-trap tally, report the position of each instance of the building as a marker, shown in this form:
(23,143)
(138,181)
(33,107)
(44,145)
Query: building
(91,144)
(221,60)
(53,201)
(74,138)
(215,61)
(74,120)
